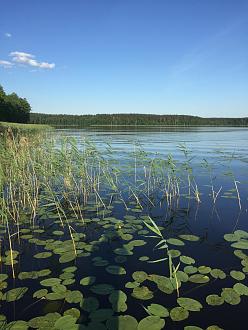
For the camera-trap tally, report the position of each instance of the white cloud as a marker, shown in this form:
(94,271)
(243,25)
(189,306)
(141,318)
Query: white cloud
(6,64)
(8,35)
(29,59)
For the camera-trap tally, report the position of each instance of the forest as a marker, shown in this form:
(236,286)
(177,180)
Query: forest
(132,119)
(13,108)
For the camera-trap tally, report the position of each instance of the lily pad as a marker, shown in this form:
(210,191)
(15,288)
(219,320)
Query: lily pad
(88,280)
(189,304)
(179,314)
(218,273)
(43,255)
(122,322)
(199,278)
(192,238)
(50,281)
(65,322)
(74,296)
(67,257)
(139,276)
(242,244)
(230,296)
(102,289)
(151,323)
(187,260)
(101,315)
(14,294)
(175,241)
(116,270)
(142,293)
(214,300)
(40,293)
(237,275)
(241,289)
(158,310)
(89,304)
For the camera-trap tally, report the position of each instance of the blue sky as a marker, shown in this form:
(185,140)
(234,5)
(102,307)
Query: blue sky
(116,56)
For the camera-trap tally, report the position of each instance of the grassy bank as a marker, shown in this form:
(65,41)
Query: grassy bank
(22,128)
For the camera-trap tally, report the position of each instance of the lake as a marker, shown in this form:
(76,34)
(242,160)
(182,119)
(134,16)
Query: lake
(190,182)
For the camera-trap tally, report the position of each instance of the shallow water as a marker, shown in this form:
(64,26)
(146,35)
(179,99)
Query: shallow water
(225,151)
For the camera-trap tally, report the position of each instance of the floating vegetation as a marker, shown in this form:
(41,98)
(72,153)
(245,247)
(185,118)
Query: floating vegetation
(89,243)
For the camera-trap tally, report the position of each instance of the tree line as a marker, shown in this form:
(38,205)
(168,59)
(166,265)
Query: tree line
(13,108)
(132,119)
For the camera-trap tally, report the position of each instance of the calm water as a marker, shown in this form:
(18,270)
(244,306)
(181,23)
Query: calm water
(226,153)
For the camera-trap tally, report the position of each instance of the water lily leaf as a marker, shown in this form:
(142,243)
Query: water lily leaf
(139,276)
(14,294)
(190,269)
(214,300)
(242,244)
(123,252)
(50,281)
(142,293)
(17,325)
(199,278)
(3,277)
(116,270)
(241,289)
(230,296)
(88,280)
(158,310)
(55,296)
(214,327)
(218,273)
(120,259)
(59,288)
(204,269)
(89,304)
(44,322)
(122,322)
(151,323)
(73,297)
(241,233)
(144,258)
(231,237)
(101,315)
(74,312)
(137,242)
(58,232)
(174,253)
(67,257)
(164,283)
(101,263)
(69,281)
(192,238)
(65,322)
(102,289)
(237,275)
(189,304)
(70,269)
(117,295)
(44,272)
(179,314)
(183,277)
(192,327)
(131,285)
(175,241)
(187,260)
(43,255)
(40,293)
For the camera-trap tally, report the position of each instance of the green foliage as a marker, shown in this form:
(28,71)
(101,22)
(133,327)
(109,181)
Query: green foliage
(13,108)
(131,120)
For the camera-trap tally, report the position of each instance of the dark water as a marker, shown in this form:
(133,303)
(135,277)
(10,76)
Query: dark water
(225,151)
